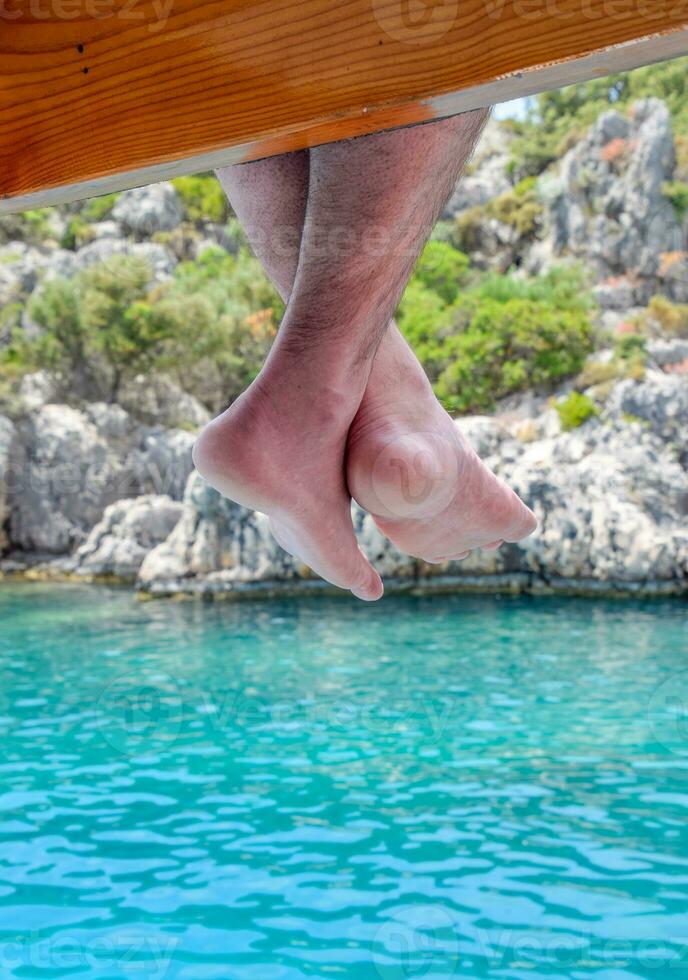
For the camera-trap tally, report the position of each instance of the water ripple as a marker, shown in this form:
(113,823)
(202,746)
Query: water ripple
(427,788)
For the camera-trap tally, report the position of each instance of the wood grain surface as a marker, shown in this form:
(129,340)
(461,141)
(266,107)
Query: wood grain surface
(97,95)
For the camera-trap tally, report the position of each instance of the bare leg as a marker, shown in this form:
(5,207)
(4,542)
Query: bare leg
(280,447)
(407,461)
(383,185)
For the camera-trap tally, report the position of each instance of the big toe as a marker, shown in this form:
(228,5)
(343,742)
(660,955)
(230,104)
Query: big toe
(333,555)
(522,521)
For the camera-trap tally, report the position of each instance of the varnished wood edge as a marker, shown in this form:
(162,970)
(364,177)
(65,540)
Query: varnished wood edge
(621,57)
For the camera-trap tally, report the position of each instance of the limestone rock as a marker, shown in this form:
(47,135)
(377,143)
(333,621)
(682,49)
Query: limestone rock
(145,210)
(218,544)
(611,498)
(660,401)
(606,206)
(217,539)
(160,461)
(64,477)
(668,352)
(70,464)
(36,389)
(487,176)
(157,400)
(128,531)
(7,434)
(159,258)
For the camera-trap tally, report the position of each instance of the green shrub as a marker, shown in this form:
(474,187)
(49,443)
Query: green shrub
(563,287)
(77,233)
(210,327)
(498,335)
(672,318)
(98,208)
(499,348)
(202,197)
(676,191)
(96,327)
(442,270)
(518,207)
(575,409)
(222,314)
(467,229)
(38,222)
(631,355)
(422,317)
(30,226)
(597,373)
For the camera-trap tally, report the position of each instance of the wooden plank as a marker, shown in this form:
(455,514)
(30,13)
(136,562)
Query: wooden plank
(99,95)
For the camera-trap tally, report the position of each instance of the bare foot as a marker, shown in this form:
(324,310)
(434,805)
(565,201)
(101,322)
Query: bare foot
(410,467)
(283,454)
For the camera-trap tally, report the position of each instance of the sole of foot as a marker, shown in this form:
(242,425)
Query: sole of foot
(264,457)
(427,489)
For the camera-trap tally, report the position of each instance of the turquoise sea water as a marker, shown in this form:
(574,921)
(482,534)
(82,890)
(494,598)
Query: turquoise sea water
(422,788)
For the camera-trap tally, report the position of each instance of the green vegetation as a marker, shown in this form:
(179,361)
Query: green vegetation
(556,119)
(222,314)
(630,355)
(519,208)
(210,328)
(574,410)
(671,318)
(99,208)
(202,197)
(596,373)
(500,335)
(442,270)
(628,360)
(676,191)
(77,233)
(95,327)
(30,226)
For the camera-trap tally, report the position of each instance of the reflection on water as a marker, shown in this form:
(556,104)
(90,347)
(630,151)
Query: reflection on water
(430,788)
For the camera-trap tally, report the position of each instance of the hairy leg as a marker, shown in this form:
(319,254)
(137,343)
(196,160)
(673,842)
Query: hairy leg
(280,448)
(407,461)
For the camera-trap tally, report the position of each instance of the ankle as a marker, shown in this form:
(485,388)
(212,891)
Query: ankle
(312,396)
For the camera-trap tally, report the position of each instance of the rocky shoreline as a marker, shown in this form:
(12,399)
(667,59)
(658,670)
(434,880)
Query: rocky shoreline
(611,497)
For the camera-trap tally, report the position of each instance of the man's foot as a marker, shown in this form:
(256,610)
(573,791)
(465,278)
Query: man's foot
(286,459)
(410,467)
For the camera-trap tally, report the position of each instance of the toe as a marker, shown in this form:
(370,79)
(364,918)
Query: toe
(523,524)
(335,557)
(365,584)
